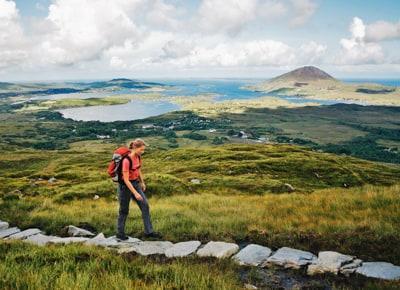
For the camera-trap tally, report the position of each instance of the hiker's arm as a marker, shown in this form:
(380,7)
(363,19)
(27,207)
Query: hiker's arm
(141,179)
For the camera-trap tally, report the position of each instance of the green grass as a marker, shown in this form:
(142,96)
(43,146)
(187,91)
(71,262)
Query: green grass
(80,172)
(340,203)
(24,266)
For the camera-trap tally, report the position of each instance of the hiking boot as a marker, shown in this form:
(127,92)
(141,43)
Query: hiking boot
(122,237)
(153,235)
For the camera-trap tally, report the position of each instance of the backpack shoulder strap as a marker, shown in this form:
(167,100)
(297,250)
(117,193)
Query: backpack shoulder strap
(129,159)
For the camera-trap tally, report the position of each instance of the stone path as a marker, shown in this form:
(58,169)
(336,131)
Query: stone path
(251,255)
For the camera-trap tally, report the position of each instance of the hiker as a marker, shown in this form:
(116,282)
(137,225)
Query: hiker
(133,186)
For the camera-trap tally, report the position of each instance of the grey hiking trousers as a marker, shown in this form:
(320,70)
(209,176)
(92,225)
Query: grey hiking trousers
(124,198)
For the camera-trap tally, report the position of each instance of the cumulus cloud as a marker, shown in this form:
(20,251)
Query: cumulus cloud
(232,16)
(271,9)
(312,52)
(12,40)
(177,49)
(355,50)
(82,29)
(230,53)
(382,30)
(159,35)
(228,16)
(164,15)
(303,10)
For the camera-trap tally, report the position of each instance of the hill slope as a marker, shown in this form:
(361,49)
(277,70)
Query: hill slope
(228,169)
(313,83)
(304,74)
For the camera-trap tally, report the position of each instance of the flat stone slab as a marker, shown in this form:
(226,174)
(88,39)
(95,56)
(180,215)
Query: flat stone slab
(24,234)
(113,242)
(351,267)
(68,240)
(380,270)
(291,258)
(39,239)
(252,255)
(329,261)
(4,225)
(182,249)
(218,250)
(74,231)
(97,240)
(147,248)
(8,232)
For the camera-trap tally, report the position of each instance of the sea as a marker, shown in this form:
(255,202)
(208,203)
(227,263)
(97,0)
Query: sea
(223,89)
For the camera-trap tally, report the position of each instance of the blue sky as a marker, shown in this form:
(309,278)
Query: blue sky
(72,39)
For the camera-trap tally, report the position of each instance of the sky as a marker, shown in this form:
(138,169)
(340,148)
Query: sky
(99,39)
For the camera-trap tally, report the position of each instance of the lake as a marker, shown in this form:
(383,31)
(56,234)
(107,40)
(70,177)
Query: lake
(224,89)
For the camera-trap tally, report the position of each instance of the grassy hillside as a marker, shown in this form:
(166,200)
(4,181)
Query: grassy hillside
(51,168)
(226,169)
(241,195)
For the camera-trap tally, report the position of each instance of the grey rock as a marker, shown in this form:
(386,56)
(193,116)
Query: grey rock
(380,270)
(195,181)
(39,239)
(74,231)
(289,187)
(182,249)
(24,234)
(52,180)
(68,240)
(291,258)
(3,225)
(7,232)
(218,250)
(253,255)
(329,261)
(351,267)
(113,242)
(148,248)
(97,240)
(250,286)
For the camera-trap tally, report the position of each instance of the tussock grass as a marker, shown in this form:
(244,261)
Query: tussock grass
(24,266)
(361,221)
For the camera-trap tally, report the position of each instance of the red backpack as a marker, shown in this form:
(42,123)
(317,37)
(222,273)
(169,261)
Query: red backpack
(115,166)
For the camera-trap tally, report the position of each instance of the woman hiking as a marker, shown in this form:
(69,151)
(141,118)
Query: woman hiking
(133,186)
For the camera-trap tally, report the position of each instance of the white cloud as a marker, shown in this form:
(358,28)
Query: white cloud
(12,40)
(269,10)
(177,49)
(356,51)
(382,30)
(230,53)
(151,36)
(227,16)
(232,16)
(303,10)
(82,29)
(164,15)
(312,52)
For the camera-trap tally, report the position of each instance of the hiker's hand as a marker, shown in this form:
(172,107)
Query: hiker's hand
(138,197)
(143,185)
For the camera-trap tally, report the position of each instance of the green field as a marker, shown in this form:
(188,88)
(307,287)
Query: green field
(340,202)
